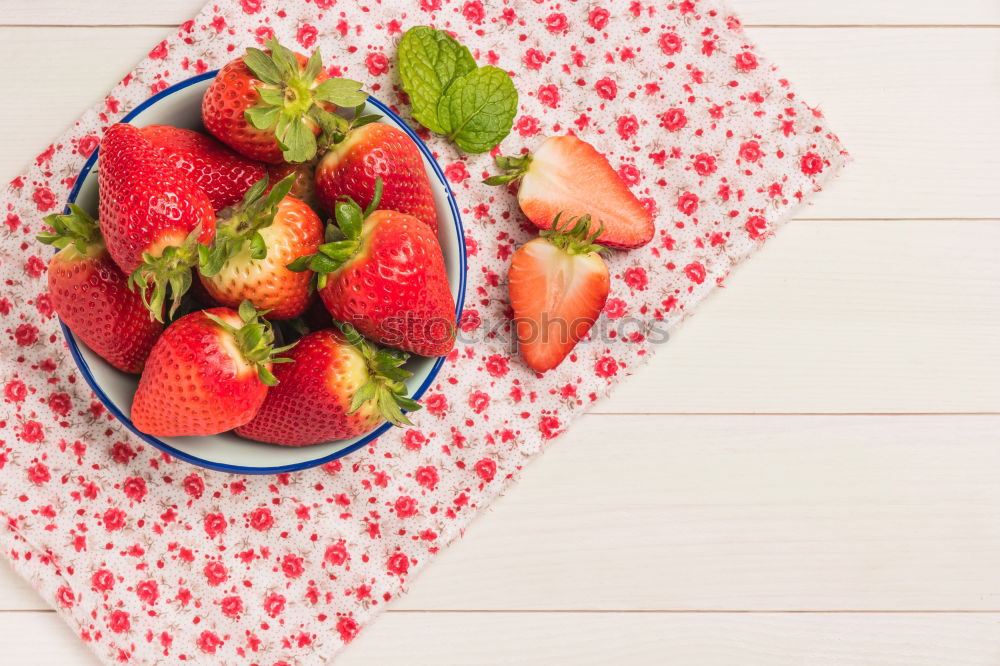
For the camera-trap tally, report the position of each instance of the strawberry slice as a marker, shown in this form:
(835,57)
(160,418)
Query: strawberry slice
(569,176)
(558,284)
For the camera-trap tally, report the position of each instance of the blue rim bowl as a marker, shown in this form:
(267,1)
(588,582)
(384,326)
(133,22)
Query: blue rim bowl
(457,274)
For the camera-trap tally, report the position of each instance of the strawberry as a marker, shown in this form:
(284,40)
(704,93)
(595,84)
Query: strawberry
(91,294)
(376,150)
(253,244)
(221,174)
(304,186)
(270,106)
(339,386)
(386,278)
(558,284)
(152,216)
(567,175)
(209,372)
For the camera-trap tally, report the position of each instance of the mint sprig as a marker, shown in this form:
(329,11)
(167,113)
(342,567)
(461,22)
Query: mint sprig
(477,111)
(473,106)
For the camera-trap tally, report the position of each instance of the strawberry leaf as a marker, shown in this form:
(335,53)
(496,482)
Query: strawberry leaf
(262,66)
(342,92)
(429,61)
(477,111)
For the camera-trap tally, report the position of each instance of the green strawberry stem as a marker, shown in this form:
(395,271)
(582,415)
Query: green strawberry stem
(75,228)
(348,222)
(242,224)
(335,129)
(255,340)
(385,383)
(169,272)
(291,98)
(573,236)
(513,167)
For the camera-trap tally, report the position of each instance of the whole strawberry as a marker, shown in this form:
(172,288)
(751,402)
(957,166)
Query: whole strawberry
(386,278)
(271,105)
(253,244)
(558,285)
(339,386)
(152,216)
(209,372)
(566,175)
(223,175)
(371,151)
(304,186)
(91,294)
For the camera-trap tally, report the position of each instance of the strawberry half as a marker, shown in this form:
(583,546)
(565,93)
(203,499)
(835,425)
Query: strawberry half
(253,244)
(339,386)
(567,175)
(371,151)
(558,284)
(209,372)
(91,294)
(270,106)
(223,175)
(152,216)
(386,278)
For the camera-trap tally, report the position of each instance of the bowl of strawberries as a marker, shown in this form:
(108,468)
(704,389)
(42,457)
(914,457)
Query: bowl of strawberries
(261,268)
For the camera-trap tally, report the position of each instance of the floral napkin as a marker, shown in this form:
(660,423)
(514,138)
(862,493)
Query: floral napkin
(153,561)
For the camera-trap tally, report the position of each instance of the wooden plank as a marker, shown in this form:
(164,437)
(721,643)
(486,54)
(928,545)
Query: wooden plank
(731,513)
(844,316)
(500,639)
(737,513)
(915,107)
(706,639)
(753,12)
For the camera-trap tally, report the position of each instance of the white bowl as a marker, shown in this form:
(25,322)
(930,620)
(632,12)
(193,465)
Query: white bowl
(180,106)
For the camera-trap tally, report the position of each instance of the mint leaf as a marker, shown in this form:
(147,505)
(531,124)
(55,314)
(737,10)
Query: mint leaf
(477,111)
(429,61)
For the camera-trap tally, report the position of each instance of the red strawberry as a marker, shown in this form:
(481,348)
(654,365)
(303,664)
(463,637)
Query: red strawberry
(304,186)
(253,245)
(208,373)
(387,279)
(558,285)
(567,175)
(338,387)
(371,151)
(91,295)
(152,215)
(270,106)
(223,175)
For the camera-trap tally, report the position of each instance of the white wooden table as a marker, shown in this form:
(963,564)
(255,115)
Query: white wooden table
(806,474)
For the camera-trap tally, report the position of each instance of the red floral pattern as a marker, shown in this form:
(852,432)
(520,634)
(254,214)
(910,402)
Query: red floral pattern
(154,561)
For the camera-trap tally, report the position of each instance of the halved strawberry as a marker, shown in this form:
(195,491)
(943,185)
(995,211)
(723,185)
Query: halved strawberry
(339,386)
(558,285)
(386,278)
(91,294)
(253,244)
(152,215)
(209,372)
(566,175)
(223,175)
(270,106)
(371,151)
